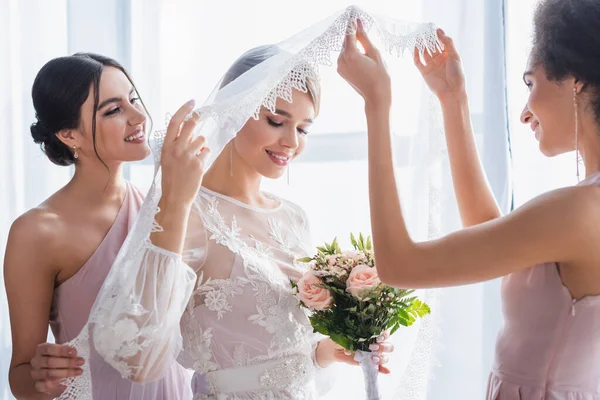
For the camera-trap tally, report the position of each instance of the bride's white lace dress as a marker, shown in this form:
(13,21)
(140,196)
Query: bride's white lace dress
(242,331)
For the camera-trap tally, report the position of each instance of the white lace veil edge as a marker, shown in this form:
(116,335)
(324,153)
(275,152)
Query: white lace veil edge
(226,111)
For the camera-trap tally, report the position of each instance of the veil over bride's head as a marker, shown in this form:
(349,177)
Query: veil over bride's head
(260,54)
(269,142)
(256,80)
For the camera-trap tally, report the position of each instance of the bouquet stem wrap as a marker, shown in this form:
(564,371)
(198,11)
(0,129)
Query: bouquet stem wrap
(370,373)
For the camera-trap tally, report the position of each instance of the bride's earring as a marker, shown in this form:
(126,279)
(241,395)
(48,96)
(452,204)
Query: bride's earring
(576,107)
(75,153)
(231,158)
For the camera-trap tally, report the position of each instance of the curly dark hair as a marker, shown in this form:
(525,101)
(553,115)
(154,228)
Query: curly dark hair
(566,43)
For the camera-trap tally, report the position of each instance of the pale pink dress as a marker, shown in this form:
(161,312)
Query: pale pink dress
(549,347)
(73,301)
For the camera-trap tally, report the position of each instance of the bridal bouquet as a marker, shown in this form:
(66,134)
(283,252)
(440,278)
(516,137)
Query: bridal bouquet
(348,302)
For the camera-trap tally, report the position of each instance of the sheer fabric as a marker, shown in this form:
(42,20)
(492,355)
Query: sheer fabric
(225,308)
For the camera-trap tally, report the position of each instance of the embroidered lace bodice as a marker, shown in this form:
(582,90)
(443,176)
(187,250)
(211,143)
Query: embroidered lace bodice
(239,309)
(242,310)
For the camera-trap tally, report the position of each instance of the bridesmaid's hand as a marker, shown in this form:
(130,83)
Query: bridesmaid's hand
(51,364)
(183,158)
(329,352)
(442,69)
(366,73)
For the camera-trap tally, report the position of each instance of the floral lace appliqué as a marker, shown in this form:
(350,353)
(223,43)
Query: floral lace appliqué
(217,292)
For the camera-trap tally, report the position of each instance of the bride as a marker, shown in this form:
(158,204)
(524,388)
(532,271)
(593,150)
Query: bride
(204,277)
(243,332)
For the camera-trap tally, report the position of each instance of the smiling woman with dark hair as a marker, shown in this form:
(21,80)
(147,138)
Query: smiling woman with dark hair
(88,114)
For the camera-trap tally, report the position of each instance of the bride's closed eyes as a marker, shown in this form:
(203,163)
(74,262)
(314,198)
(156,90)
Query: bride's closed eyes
(276,124)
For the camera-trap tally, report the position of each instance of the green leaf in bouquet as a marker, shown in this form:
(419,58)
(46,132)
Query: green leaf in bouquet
(410,299)
(330,249)
(319,324)
(408,322)
(404,318)
(371,309)
(336,247)
(394,329)
(375,330)
(419,308)
(364,317)
(369,245)
(343,341)
(350,323)
(305,259)
(403,293)
(361,240)
(372,294)
(353,241)
(294,284)
(402,313)
(333,289)
(405,323)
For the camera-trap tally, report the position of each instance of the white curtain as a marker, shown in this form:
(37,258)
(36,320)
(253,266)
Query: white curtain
(471,315)
(170,51)
(31,32)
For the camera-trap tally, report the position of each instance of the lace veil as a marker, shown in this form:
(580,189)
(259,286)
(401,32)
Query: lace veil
(223,114)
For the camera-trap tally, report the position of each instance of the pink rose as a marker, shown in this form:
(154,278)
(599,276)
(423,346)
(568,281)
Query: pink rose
(361,278)
(313,297)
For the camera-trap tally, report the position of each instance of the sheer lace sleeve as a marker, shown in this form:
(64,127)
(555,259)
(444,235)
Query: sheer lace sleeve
(138,331)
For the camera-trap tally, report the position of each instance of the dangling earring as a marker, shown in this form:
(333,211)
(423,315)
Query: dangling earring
(576,107)
(231,158)
(75,154)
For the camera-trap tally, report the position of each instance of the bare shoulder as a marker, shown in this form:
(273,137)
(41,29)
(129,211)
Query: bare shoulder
(582,205)
(560,225)
(587,201)
(579,206)
(38,226)
(35,239)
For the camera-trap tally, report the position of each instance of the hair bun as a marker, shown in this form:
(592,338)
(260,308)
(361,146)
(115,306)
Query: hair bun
(39,132)
(54,149)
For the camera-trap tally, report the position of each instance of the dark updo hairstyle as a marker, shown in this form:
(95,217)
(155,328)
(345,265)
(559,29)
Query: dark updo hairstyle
(59,90)
(567,43)
(257,55)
